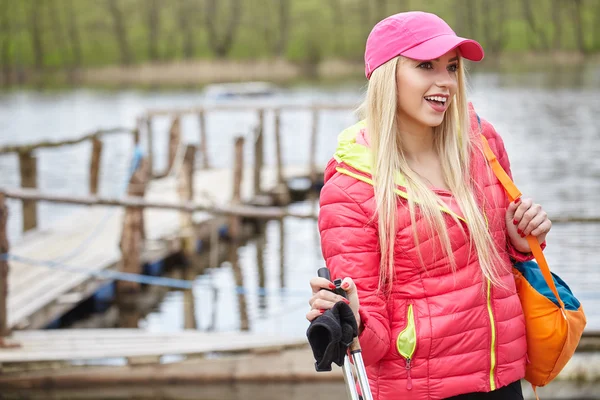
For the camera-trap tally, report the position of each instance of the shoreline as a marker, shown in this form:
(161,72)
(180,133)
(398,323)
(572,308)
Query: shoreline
(198,73)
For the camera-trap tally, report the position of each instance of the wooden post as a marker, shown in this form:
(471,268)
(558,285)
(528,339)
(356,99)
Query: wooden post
(132,235)
(4,331)
(28,169)
(238,168)
(95,164)
(185,187)
(258,152)
(281,192)
(282,253)
(239,283)
(150,144)
(313,147)
(203,141)
(260,264)
(189,302)
(174,140)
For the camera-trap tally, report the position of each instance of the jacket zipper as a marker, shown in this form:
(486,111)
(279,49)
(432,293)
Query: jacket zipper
(406,343)
(493,326)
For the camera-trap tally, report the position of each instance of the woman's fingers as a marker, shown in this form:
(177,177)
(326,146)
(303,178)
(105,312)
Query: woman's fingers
(317,284)
(312,314)
(538,219)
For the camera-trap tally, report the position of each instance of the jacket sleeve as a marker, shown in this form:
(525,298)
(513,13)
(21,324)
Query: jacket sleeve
(497,144)
(349,243)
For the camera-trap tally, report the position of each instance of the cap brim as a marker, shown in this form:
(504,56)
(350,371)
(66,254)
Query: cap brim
(440,45)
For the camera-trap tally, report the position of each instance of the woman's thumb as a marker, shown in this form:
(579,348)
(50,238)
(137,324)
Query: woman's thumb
(348,286)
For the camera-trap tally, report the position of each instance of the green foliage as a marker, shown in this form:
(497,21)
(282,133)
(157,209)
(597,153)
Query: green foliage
(316,29)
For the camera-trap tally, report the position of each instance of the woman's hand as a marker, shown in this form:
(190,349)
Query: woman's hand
(323,300)
(524,218)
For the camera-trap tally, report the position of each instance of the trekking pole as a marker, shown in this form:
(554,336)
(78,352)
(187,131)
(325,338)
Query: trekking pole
(355,351)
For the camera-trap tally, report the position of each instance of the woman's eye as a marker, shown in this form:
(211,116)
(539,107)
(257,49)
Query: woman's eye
(426,65)
(453,68)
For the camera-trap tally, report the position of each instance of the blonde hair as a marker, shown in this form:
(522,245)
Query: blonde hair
(453,143)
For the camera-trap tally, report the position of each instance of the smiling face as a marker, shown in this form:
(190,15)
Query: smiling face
(425,90)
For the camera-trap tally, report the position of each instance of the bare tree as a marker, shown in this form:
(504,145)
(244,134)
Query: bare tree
(74,37)
(537,31)
(153,28)
(119,31)
(284,27)
(35,25)
(6,32)
(338,24)
(557,23)
(222,47)
(494,17)
(58,32)
(576,12)
(185,13)
(381,9)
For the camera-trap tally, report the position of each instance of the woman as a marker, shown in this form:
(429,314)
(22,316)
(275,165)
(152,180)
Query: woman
(422,232)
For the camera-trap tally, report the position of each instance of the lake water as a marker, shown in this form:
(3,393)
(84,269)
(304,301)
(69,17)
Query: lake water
(549,123)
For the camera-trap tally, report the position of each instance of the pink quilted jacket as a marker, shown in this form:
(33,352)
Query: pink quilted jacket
(438,334)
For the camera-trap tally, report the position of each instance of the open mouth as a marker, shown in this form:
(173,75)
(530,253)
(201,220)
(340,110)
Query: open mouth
(437,100)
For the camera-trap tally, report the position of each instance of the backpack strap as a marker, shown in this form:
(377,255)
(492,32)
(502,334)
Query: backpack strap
(513,194)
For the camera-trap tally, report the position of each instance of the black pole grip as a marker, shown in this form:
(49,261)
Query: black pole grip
(324,273)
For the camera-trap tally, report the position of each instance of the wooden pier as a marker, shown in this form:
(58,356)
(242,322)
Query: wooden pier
(163,213)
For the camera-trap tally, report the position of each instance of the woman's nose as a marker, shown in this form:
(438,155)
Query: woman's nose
(445,79)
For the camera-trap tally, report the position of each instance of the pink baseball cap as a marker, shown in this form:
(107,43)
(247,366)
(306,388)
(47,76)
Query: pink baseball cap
(417,35)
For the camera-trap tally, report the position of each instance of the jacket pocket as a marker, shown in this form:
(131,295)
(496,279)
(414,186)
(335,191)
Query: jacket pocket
(406,343)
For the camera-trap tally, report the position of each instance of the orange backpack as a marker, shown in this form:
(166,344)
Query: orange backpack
(554,318)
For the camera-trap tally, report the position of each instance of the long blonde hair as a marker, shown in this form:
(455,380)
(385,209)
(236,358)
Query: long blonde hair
(453,143)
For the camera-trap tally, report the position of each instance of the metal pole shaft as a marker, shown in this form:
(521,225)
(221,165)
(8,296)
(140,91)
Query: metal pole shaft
(361,372)
(349,379)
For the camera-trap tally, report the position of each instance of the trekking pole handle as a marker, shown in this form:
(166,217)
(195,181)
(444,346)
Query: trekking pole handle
(324,273)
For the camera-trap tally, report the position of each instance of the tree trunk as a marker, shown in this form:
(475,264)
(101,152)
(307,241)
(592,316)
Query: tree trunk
(578,25)
(6,31)
(495,14)
(58,33)
(222,47)
(472,21)
(535,29)
(74,37)
(284,27)
(120,31)
(381,10)
(185,17)
(364,9)
(338,25)
(153,29)
(35,21)
(557,23)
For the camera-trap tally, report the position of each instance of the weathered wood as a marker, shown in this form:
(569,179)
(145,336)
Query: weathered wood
(150,145)
(236,198)
(174,140)
(238,278)
(27,148)
(236,210)
(282,253)
(185,189)
(258,152)
(4,330)
(312,155)
(28,171)
(189,302)
(132,235)
(278,156)
(95,164)
(282,191)
(203,140)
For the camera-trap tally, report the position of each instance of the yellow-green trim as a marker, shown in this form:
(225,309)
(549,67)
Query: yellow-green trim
(406,343)
(493,326)
(358,157)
